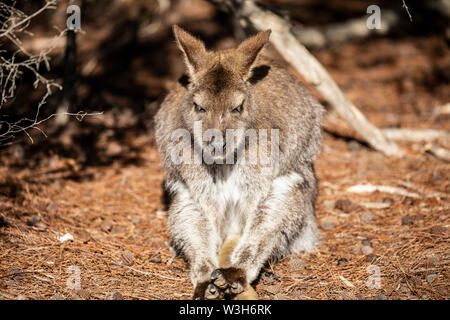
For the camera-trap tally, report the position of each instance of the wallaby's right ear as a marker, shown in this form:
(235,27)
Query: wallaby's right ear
(193,49)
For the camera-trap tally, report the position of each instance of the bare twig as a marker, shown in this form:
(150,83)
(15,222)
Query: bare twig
(21,60)
(407,10)
(415,135)
(369,188)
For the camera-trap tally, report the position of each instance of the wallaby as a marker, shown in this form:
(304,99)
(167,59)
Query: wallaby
(230,215)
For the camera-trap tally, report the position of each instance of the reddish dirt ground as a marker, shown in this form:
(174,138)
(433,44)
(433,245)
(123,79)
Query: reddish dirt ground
(117,216)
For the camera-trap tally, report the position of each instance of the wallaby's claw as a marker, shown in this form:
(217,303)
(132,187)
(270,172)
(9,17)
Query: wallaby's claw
(218,279)
(212,292)
(236,287)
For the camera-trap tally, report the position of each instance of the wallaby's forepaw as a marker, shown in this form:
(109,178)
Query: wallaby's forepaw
(226,283)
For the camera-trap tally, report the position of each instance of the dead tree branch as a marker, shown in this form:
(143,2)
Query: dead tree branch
(283,39)
(351,30)
(415,135)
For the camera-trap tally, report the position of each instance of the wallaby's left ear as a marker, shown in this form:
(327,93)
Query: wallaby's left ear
(193,49)
(250,48)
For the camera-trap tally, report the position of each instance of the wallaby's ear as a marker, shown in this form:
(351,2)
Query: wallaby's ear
(250,48)
(193,49)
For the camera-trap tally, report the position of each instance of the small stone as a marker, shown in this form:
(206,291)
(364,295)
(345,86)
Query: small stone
(366,217)
(327,224)
(83,235)
(381,297)
(3,221)
(329,204)
(35,219)
(345,205)
(65,237)
(437,230)
(365,250)
(431,277)
(21,297)
(388,200)
(366,242)
(156,258)
(58,297)
(407,220)
(342,261)
(127,258)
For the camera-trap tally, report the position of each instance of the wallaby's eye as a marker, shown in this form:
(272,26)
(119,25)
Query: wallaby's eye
(238,109)
(198,108)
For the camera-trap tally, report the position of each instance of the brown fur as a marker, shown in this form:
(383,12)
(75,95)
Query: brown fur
(229,219)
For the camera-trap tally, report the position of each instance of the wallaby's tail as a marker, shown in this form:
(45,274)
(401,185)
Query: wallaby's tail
(225,262)
(226,251)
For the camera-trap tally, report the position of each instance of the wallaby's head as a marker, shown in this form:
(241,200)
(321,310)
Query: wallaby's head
(219,89)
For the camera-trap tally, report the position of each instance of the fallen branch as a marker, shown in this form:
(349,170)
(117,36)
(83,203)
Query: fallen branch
(415,135)
(369,188)
(351,30)
(299,57)
(407,10)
